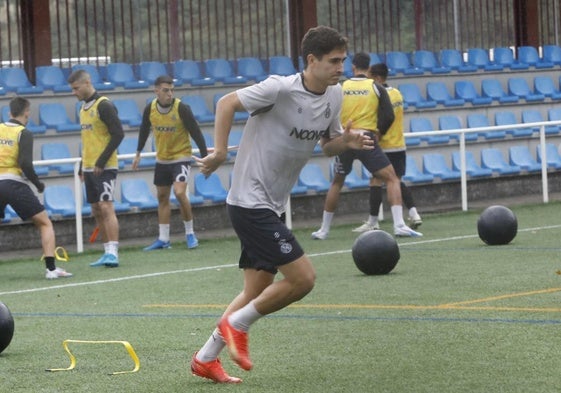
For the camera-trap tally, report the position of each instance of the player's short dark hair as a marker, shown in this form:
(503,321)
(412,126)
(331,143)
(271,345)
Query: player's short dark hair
(163,79)
(361,60)
(321,40)
(18,105)
(78,75)
(379,69)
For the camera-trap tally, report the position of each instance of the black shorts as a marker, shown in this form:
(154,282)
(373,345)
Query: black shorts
(266,241)
(397,158)
(100,188)
(20,196)
(167,174)
(373,160)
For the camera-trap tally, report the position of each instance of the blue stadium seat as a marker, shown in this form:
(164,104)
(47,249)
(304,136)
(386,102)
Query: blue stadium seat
(193,199)
(437,91)
(465,90)
(427,61)
(348,67)
(31,125)
(281,65)
(97,82)
(9,214)
(298,190)
(521,156)
(51,78)
(535,116)
(492,88)
(544,85)
(553,158)
(493,159)
(479,58)
(472,167)
(128,111)
(435,164)
(552,54)
(519,87)
(352,180)
(554,114)
(210,188)
(504,118)
(137,193)
(14,79)
(505,57)
(149,71)
(530,56)
(399,62)
(189,71)
(128,146)
(234,139)
(251,68)
(238,116)
(55,151)
(313,178)
(423,124)
(413,174)
(480,120)
(375,58)
(199,108)
(53,115)
(59,200)
(221,70)
(412,96)
(122,75)
(452,58)
(453,122)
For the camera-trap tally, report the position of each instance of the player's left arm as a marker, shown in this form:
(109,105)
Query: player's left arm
(192,127)
(25,159)
(108,114)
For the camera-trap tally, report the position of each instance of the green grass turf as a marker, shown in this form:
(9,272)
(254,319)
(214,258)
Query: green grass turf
(455,315)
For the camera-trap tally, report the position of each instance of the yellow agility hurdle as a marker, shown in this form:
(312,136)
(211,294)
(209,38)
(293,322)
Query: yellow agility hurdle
(126,344)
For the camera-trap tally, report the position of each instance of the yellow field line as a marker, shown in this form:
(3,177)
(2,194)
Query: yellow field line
(509,296)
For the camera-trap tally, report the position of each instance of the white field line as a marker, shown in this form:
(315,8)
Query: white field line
(198,269)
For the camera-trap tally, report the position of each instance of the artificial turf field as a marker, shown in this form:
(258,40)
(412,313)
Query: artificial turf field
(455,315)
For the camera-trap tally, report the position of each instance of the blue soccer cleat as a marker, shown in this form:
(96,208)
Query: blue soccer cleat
(158,245)
(108,260)
(191,240)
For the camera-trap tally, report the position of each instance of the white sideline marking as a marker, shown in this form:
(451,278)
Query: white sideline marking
(198,269)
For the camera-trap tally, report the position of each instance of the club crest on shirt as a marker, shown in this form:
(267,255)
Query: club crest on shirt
(327,113)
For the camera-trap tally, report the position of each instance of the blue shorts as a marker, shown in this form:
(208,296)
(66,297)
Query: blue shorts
(373,160)
(100,188)
(167,174)
(20,196)
(266,241)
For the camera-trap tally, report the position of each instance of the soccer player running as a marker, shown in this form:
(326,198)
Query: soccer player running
(369,107)
(102,133)
(393,144)
(16,160)
(289,115)
(173,125)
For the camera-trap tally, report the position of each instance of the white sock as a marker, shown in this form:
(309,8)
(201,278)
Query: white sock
(244,317)
(112,248)
(413,212)
(212,348)
(164,232)
(373,220)
(326,221)
(106,248)
(397,214)
(188,227)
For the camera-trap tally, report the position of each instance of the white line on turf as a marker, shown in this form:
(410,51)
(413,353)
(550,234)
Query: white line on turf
(149,275)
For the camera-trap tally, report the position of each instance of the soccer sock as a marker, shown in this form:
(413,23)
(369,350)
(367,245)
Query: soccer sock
(244,317)
(212,348)
(326,221)
(397,214)
(188,227)
(406,195)
(373,220)
(113,248)
(375,200)
(164,232)
(50,263)
(413,212)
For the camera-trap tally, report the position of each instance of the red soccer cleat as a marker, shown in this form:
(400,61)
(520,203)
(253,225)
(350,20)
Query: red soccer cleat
(211,370)
(236,341)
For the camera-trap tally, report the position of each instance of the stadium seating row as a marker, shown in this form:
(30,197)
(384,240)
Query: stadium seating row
(465,92)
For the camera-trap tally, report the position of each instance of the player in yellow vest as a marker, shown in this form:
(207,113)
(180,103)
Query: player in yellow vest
(16,160)
(368,106)
(102,133)
(393,144)
(172,124)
